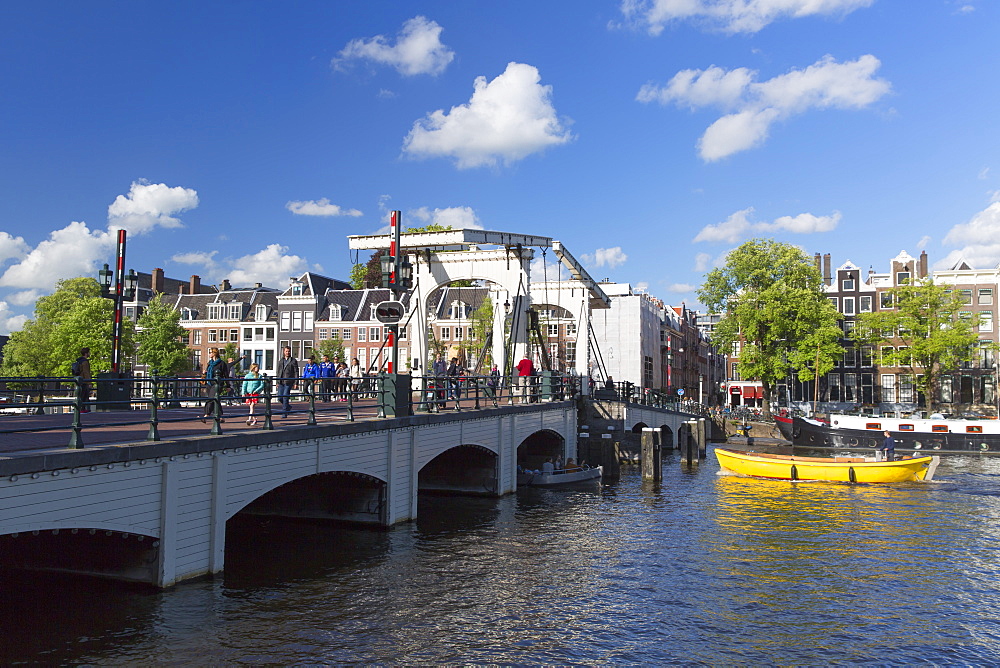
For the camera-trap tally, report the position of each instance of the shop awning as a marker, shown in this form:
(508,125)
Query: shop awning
(749,392)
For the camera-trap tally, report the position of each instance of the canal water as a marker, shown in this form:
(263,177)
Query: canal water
(704,568)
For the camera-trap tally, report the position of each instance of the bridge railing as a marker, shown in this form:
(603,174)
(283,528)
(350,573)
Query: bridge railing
(156,400)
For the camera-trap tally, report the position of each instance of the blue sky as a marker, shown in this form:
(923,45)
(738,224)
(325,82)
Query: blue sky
(246,140)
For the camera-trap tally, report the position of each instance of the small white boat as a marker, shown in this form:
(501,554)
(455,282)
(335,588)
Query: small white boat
(559,478)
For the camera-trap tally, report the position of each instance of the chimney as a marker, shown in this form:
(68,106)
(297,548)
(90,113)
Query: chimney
(258,285)
(195,284)
(827,277)
(819,267)
(157,281)
(923,264)
(225,285)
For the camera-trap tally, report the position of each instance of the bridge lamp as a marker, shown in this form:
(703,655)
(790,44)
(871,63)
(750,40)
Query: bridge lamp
(387,262)
(405,278)
(105,280)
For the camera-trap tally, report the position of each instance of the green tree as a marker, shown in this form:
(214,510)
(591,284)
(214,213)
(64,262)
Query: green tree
(369,275)
(332,347)
(74,316)
(482,328)
(929,333)
(771,298)
(159,336)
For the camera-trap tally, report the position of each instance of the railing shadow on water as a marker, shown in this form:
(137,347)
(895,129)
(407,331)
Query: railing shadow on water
(153,401)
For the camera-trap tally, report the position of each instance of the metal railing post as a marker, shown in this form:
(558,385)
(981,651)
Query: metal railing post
(267,405)
(154,418)
(476,383)
(217,409)
(349,391)
(380,379)
(312,404)
(76,438)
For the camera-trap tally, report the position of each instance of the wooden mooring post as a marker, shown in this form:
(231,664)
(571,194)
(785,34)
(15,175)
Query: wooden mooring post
(652,455)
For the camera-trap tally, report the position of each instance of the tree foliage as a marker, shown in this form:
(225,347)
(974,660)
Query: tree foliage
(771,299)
(930,332)
(159,338)
(332,347)
(74,316)
(369,275)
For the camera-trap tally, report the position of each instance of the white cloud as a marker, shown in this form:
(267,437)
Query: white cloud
(730,230)
(756,106)
(732,16)
(320,207)
(642,286)
(202,258)
(506,119)
(271,266)
(24,297)
(545,268)
(150,205)
(606,257)
(681,288)
(69,252)
(418,49)
(702,261)
(984,173)
(981,239)
(455,217)
(8,321)
(739,225)
(12,248)
(924,240)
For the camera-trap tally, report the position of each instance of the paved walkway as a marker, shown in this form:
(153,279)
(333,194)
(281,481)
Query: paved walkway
(48,432)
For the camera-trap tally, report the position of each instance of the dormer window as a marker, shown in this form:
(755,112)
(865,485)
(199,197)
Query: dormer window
(458,310)
(216,311)
(298,288)
(236,311)
(260,313)
(336,312)
(188,314)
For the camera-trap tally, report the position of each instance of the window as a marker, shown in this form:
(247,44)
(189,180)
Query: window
(847,284)
(297,290)
(470,333)
(307,325)
(188,314)
(885,300)
(554,354)
(347,334)
(848,306)
(186,338)
(850,387)
(335,312)
(213,336)
(985,296)
(986,321)
(234,335)
(889,388)
(866,355)
(236,311)
(297,321)
(458,333)
(849,326)
(850,357)
(553,330)
(223,335)
(902,277)
(905,388)
(196,337)
(886,355)
(571,353)
(362,333)
(323,334)
(458,310)
(402,333)
(375,334)
(196,360)
(446,333)
(248,334)
(866,304)
(286,321)
(833,300)
(260,314)
(215,311)
(833,386)
(571,329)
(269,333)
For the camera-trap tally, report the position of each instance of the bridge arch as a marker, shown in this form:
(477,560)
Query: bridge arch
(343,496)
(539,446)
(464,469)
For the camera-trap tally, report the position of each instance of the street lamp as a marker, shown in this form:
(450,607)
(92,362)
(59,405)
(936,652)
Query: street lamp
(124,290)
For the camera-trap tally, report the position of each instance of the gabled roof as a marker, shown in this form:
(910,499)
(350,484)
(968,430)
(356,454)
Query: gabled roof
(355,305)
(440,301)
(315,284)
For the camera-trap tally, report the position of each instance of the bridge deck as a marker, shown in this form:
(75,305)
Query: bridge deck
(52,432)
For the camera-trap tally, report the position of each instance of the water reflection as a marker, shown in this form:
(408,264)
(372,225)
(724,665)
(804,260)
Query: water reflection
(700,568)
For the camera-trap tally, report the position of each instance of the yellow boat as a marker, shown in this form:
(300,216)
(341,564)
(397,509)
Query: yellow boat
(832,469)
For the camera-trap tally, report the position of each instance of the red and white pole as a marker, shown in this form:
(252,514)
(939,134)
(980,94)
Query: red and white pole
(116,335)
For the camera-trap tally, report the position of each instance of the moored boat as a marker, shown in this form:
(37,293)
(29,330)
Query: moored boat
(829,469)
(934,434)
(559,478)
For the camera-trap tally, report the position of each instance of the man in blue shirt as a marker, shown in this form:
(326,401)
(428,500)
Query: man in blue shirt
(889,446)
(327,371)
